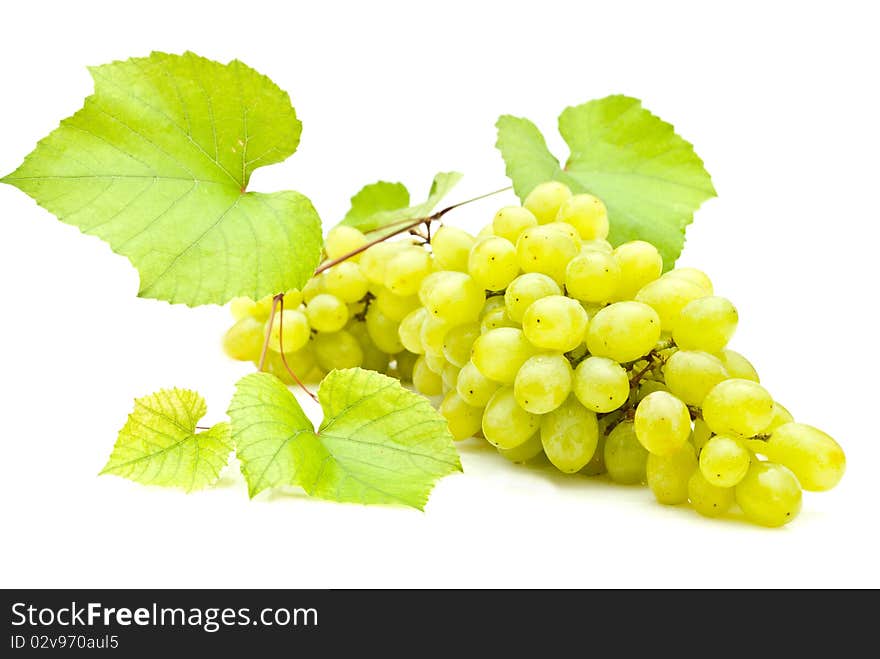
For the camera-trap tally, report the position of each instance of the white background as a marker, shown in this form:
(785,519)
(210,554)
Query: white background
(781,101)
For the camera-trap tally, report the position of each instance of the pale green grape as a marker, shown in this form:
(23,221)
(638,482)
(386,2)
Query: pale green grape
(383,331)
(526,289)
(570,435)
(405,361)
(313,288)
(647,387)
(781,416)
(592,276)
(546,250)
(499,353)
(625,458)
(597,245)
(815,458)
(505,423)
(662,423)
(326,313)
(436,362)
(410,330)
(640,263)
(737,365)
(458,342)
(587,214)
(492,303)
(240,307)
(668,296)
(623,331)
(375,259)
(694,276)
(244,340)
(692,374)
(337,350)
(555,323)
(545,200)
(724,461)
(345,281)
(432,334)
(449,376)
(463,420)
(568,230)
(769,494)
(342,240)
(511,221)
(542,383)
(474,387)
(425,380)
(291,326)
(495,319)
(707,499)
(455,298)
(600,384)
(374,358)
(263,307)
(395,307)
(706,324)
(528,450)
(405,271)
(596,465)
(668,476)
(451,247)
(492,263)
(700,435)
(301,362)
(738,407)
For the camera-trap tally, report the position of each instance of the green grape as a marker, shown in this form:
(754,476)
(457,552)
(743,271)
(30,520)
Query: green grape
(596,465)
(293,298)
(458,342)
(240,307)
(356,309)
(395,307)
(566,229)
(694,276)
(345,281)
(383,331)
(706,324)
(570,435)
(425,380)
(495,319)
(244,340)
(738,407)
(374,358)
(600,384)
(499,353)
(647,387)
(597,245)
(291,326)
(451,247)
(342,240)
(623,331)
(405,271)
(555,323)
(511,221)
(525,452)
(707,499)
(592,276)
(542,383)
(263,307)
(455,298)
(410,330)
(463,420)
(640,263)
(436,362)
(781,416)
(405,362)
(815,458)
(505,423)
(337,350)
(545,200)
(587,214)
(526,289)
(738,366)
(493,264)
(662,423)
(492,303)
(769,494)
(668,476)
(449,376)
(301,362)
(326,313)
(546,250)
(375,259)
(313,288)
(724,461)
(668,296)
(626,459)
(474,387)
(691,374)
(701,434)
(432,334)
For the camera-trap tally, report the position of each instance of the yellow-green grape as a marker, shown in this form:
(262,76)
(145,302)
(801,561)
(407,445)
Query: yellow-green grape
(545,200)
(244,340)
(293,298)
(493,263)
(694,276)
(240,307)
(410,330)
(623,331)
(526,289)
(568,230)
(570,435)
(555,323)
(492,303)
(383,331)
(425,380)
(463,420)
(451,247)
(505,423)
(449,375)
(546,250)
(395,307)
(432,334)
(668,476)
(542,383)
(374,358)
(647,387)
(375,259)
(499,353)
(625,458)
(455,298)
(345,281)
(474,388)
(431,282)
(301,362)
(597,245)
(511,221)
(691,374)
(738,407)
(592,276)
(495,319)
(737,365)
(337,350)
(587,214)
(769,494)
(313,288)
(724,461)
(290,330)
(640,263)
(815,458)
(601,384)
(700,435)
(662,423)
(596,465)
(525,452)
(707,499)
(781,416)
(436,362)
(405,361)
(327,313)
(668,296)
(706,324)
(342,240)
(458,342)
(405,271)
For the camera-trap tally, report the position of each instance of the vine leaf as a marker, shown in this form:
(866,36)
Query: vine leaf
(159,444)
(650,178)
(378,444)
(157,162)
